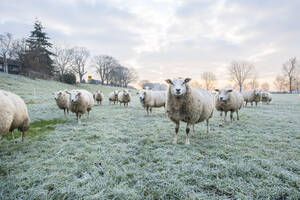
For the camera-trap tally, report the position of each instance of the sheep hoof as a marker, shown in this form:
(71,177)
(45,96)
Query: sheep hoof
(220,125)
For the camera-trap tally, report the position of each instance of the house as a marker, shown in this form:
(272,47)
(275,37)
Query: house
(13,66)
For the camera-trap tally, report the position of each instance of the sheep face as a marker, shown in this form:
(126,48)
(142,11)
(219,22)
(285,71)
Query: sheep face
(223,94)
(178,86)
(57,95)
(74,96)
(142,95)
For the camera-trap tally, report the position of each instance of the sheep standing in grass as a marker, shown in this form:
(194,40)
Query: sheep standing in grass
(252,96)
(63,102)
(113,97)
(124,97)
(81,102)
(266,97)
(13,114)
(152,99)
(98,96)
(187,104)
(228,99)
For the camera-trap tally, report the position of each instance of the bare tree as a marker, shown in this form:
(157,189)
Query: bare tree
(289,70)
(280,83)
(64,58)
(209,80)
(19,48)
(104,65)
(265,86)
(196,84)
(81,55)
(253,83)
(6,42)
(239,72)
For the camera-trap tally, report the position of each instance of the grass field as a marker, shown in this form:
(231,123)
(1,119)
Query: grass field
(121,153)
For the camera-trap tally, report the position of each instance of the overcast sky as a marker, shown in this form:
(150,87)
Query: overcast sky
(168,38)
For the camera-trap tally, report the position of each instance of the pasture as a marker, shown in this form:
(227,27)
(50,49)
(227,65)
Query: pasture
(121,153)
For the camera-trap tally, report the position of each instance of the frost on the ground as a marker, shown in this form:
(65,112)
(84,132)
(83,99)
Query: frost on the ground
(121,153)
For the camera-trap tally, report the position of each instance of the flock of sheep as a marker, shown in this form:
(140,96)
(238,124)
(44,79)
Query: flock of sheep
(182,102)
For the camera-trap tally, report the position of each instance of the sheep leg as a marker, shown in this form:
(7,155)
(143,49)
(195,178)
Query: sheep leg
(255,103)
(147,110)
(88,114)
(64,111)
(176,133)
(193,128)
(187,130)
(221,118)
(231,116)
(207,126)
(225,116)
(23,136)
(237,115)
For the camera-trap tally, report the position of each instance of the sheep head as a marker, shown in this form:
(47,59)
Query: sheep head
(178,86)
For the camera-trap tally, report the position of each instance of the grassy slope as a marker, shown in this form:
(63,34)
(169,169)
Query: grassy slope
(257,157)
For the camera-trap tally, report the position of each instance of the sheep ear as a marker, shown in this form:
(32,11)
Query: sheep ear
(79,93)
(217,90)
(169,81)
(68,92)
(187,80)
(230,90)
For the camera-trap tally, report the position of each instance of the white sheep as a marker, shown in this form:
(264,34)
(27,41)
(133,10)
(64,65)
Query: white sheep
(187,104)
(63,102)
(98,97)
(266,97)
(228,99)
(252,96)
(81,102)
(124,97)
(113,96)
(13,114)
(152,99)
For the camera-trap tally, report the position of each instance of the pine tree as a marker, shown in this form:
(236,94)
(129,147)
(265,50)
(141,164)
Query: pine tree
(39,53)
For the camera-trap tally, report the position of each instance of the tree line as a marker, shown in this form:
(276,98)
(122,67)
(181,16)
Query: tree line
(37,54)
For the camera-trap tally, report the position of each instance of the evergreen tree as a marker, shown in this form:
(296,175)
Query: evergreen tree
(38,55)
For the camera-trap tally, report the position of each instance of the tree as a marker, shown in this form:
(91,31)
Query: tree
(64,58)
(38,55)
(265,86)
(209,80)
(196,84)
(80,57)
(239,72)
(104,65)
(289,70)
(280,83)
(6,41)
(253,83)
(19,50)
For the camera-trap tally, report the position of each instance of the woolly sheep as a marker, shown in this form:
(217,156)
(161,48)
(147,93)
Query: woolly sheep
(252,96)
(124,97)
(81,102)
(266,97)
(13,114)
(113,97)
(98,96)
(63,102)
(228,100)
(152,99)
(187,104)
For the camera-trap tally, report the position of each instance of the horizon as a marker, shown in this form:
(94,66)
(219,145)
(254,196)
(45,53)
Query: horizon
(167,39)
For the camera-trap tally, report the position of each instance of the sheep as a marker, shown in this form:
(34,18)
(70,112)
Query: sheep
(81,102)
(252,96)
(124,97)
(63,102)
(113,96)
(98,96)
(152,99)
(13,114)
(187,104)
(266,97)
(228,100)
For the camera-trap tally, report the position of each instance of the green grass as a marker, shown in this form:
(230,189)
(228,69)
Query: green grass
(121,153)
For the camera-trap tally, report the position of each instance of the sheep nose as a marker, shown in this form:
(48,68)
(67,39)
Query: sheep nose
(177,90)
(221,98)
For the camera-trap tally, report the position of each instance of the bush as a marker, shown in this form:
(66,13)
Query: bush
(69,78)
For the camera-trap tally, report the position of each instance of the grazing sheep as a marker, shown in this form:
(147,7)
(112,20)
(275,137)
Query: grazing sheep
(228,100)
(152,99)
(81,102)
(63,102)
(187,104)
(13,114)
(266,97)
(98,96)
(252,96)
(124,97)
(113,96)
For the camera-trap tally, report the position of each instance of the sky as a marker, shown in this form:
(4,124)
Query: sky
(163,39)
